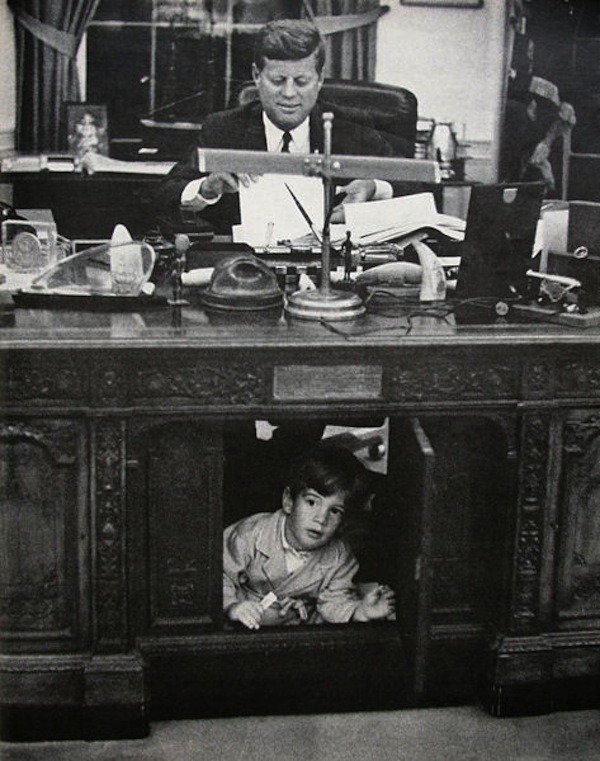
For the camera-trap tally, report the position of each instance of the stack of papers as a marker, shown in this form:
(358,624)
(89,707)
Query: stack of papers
(396,218)
(270,216)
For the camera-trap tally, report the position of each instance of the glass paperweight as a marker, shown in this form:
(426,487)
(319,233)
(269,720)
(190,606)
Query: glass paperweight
(30,245)
(105,270)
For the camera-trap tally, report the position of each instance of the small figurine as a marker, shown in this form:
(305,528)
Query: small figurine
(347,247)
(182,243)
(177,280)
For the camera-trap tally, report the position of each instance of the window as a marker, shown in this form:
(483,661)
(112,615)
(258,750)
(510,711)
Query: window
(171,61)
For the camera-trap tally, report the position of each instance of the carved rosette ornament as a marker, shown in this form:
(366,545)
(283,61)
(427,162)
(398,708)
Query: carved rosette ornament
(109,535)
(452,379)
(538,380)
(532,498)
(109,382)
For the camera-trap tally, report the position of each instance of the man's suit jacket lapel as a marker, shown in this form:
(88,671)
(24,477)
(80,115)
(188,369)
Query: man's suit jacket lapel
(316,129)
(254,138)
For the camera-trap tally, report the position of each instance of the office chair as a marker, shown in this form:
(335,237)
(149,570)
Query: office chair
(390,110)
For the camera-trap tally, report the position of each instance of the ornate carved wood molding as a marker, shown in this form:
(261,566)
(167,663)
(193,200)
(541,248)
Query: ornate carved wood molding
(240,383)
(580,376)
(463,378)
(59,378)
(57,439)
(530,521)
(34,589)
(109,535)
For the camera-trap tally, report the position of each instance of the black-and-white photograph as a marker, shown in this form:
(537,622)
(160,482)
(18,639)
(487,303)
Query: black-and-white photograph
(300,411)
(87,129)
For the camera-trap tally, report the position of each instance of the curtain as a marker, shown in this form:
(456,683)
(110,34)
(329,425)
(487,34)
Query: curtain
(350,27)
(48,36)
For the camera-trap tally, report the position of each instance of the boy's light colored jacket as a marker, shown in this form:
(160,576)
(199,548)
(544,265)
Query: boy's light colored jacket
(254,565)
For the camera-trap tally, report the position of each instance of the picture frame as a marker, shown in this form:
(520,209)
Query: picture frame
(444,3)
(87,128)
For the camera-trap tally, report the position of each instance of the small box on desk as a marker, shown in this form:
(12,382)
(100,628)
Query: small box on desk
(573,245)
(30,241)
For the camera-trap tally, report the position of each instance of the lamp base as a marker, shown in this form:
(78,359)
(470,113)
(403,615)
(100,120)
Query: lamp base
(316,305)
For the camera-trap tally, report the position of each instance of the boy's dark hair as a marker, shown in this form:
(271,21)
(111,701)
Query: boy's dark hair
(329,468)
(288,40)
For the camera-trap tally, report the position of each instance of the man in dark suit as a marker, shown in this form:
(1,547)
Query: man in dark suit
(288,65)
(289,57)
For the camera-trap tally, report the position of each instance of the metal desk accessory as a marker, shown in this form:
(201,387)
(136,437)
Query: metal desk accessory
(325,303)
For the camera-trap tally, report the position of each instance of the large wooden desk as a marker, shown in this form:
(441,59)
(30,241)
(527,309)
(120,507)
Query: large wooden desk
(113,456)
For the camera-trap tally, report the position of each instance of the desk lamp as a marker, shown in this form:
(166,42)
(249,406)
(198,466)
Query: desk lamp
(325,302)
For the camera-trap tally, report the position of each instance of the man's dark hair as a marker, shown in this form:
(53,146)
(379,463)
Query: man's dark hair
(329,468)
(288,40)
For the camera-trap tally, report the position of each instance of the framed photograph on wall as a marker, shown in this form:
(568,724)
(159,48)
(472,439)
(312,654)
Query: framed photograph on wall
(445,3)
(87,129)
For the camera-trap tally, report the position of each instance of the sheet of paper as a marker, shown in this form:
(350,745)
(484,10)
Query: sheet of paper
(267,204)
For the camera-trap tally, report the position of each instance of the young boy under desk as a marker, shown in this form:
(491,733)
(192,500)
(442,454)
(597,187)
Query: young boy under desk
(293,566)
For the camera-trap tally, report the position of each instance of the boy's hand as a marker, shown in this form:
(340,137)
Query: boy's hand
(288,611)
(297,607)
(376,604)
(248,613)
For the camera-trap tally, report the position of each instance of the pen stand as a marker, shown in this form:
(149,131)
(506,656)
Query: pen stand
(325,303)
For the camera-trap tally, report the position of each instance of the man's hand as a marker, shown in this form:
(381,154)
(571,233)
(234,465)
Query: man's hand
(377,604)
(356,191)
(248,613)
(218,183)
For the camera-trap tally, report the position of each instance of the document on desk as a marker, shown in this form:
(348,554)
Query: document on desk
(395,218)
(269,213)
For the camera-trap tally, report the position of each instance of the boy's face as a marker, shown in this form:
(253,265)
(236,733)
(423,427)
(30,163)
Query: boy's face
(312,518)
